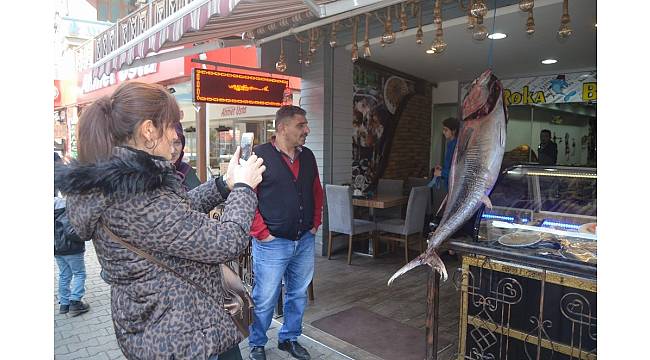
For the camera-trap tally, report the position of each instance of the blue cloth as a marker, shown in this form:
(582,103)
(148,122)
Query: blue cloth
(437,181)
(72,272)
(272,261)
(446,166)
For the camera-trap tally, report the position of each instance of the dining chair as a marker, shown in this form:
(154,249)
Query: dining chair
(341,218)
(412,182)
(389,187)
(402,230)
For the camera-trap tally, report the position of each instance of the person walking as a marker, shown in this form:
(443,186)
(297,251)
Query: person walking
(69,251)
(290,201)
(190,179)
(125,186)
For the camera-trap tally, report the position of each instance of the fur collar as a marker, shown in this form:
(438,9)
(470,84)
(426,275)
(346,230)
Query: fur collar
(128,171)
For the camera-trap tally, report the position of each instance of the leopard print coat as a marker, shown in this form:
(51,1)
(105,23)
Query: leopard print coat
(141,199)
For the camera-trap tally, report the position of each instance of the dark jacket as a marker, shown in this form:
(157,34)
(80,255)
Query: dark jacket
(286,203)
(66,240)
(141,199)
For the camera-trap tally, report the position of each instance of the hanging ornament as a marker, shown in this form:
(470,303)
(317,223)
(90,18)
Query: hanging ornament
(565,29)
(438,46)
(366,42)
(333,35)
(526,5)
(307,60)
(530,23)
(479,8)
(471,20)
(389,36)
(403,20)
(313,37)
(355,47)
(419,35)
(281,65)
(480,32)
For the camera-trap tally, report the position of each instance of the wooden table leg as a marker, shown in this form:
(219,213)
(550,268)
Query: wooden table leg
(432,319)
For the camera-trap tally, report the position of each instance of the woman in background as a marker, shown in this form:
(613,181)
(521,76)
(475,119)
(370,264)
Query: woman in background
(441,173)
(190,180)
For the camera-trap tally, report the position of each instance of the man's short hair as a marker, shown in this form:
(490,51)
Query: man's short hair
(287,112)
(545,131)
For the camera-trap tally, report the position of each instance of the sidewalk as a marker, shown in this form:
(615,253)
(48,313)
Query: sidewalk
(91,336)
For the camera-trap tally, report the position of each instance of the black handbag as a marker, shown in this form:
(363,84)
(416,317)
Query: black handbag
(237,301)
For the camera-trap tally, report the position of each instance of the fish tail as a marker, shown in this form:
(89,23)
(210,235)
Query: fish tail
(430,258)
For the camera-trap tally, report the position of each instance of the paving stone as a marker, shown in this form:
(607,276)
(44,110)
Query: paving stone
(79,354)
(91,335)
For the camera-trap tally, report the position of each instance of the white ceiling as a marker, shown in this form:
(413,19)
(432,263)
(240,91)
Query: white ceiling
(517,55)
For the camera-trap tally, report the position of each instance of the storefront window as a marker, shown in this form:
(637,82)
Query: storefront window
(569,128)
(225,135)
(183,94)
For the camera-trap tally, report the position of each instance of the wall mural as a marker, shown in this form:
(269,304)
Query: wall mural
(377,96)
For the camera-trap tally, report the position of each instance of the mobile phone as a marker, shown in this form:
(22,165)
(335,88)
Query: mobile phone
(246,143)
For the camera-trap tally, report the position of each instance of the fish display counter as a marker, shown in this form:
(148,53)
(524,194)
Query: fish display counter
(528,276)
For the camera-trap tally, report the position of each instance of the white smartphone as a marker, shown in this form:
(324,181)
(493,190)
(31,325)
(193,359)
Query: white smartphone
(246,143)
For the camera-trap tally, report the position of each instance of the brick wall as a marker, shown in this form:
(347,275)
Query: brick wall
(410,150)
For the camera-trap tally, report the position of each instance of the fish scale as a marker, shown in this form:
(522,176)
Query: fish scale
(475,165)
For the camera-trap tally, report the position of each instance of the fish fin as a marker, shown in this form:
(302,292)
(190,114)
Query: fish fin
(486,200)
(429,258)
(442,204)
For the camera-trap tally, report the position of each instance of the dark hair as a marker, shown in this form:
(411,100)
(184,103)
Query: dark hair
(287,112)
(452,124)
(545,131)
(113,120)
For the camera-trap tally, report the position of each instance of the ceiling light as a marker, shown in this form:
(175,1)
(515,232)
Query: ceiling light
(430,51)
(497,36)
(549,61)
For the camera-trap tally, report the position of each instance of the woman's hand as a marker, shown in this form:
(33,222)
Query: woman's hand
(232,165)
(249,173)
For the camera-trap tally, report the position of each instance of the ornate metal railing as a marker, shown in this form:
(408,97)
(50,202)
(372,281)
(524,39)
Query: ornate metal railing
(515,311)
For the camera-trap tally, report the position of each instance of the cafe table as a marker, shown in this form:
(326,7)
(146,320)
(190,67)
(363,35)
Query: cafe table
(377,202)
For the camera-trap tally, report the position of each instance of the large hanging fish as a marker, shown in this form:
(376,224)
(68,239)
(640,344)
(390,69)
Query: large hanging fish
(475,165)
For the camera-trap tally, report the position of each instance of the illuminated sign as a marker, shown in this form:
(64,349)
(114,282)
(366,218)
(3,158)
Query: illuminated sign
(220,87)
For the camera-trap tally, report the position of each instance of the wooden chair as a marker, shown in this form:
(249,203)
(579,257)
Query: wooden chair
(402,230)
(341,218)
(389,187)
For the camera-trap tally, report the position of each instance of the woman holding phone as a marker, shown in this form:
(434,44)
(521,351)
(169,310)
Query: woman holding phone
(125,184)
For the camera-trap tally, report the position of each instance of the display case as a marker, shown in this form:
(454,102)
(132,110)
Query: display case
(528,275)
(547,211)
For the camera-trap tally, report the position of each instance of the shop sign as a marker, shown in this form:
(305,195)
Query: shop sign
(91,84)
(231,111)
(559,88)
(219,87)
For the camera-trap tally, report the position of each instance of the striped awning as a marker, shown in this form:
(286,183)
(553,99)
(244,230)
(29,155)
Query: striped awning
(163,24)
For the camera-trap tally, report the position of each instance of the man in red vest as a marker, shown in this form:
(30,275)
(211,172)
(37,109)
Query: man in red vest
(290,201)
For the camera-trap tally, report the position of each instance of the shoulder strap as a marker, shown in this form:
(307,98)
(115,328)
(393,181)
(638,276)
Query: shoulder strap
(154,260)
(242,328)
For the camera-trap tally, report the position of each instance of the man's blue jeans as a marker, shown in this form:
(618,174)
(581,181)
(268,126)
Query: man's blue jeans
(72,271)
(273,260)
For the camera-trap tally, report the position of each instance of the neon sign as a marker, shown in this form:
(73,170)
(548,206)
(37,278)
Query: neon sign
(219,87)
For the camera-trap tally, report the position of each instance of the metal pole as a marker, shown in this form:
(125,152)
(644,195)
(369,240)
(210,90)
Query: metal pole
(433,302)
